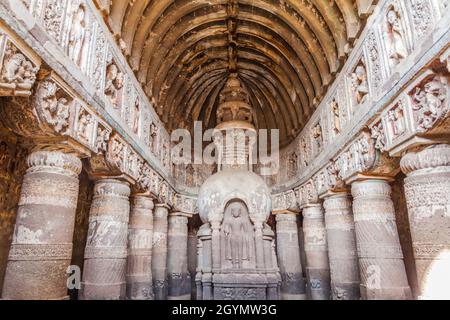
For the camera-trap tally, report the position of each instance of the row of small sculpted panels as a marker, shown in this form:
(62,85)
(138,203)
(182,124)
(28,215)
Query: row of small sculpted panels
(401,39)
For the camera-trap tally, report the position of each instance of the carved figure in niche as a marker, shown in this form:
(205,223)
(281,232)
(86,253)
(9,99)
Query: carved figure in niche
(153,137)
(77,35)
(360,84)
(18,71)
(135,116)
(114,83)
(102,139)
(397,120)
(62,114)
(378,135)
(292,165)
(336,117)
(190,172)
(305,152)
(397,48)
(429,103)
(237,233)
(84,126)
(317,136)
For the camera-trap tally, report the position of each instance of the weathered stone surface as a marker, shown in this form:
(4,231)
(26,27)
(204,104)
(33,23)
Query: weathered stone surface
(179,281)
(427,193)
(41,248)
(288,253)
(105,256)
(352,86)
(317,265)
(140,241)
(381,266)
(159,251)
(341,242)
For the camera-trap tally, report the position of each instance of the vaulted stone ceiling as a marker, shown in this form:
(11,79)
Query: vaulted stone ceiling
(285,52)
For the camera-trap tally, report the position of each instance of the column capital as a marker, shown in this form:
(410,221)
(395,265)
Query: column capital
(57,160)
(335,194)
(426,158)
(284,212)
(162,205)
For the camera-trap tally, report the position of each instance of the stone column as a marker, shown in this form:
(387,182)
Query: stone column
(317,266)
(198,274)
(205,236)
(159,252)
(178,276)
(41,248)
(140,239)
(292,285)
(340,230)
(427,191)
(381,266)
(105,256)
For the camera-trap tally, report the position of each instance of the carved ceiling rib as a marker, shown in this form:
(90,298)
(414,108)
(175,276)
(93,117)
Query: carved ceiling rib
(287,52)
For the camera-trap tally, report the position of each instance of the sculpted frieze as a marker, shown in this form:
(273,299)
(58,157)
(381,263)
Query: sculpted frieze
(18,72)
(185,204)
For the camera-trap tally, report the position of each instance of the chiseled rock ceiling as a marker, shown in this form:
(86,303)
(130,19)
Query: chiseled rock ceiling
(285,52)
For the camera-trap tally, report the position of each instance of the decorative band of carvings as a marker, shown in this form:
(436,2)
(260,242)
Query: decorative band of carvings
(316,247)
(286,217)
(105,218)
(371,187)
(112,187)
(429,250)
(58,251)
(144,203)
(379,251)
(140,251)
(55,159)
(374,217)
(431,157)
(140,221)
(105,252)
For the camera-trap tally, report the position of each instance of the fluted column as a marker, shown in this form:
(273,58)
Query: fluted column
(159,251)
(340,230)
(317,266)
(105,256)
(427,191)
(140,239)
(381,266)
(41,248)
(292,285)
(179,282)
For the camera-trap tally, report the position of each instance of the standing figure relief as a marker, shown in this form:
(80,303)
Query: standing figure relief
(238,233)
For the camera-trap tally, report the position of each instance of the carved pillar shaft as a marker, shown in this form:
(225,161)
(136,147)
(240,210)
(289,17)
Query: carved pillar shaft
(427,191)
(105,256)
(340,230)
(205,237)
(317,266)
(292,285)
(178,275)
(41,248)
(381,266)
(159,252)
(216,248)
(198,275)
(140,239)
(259,245)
